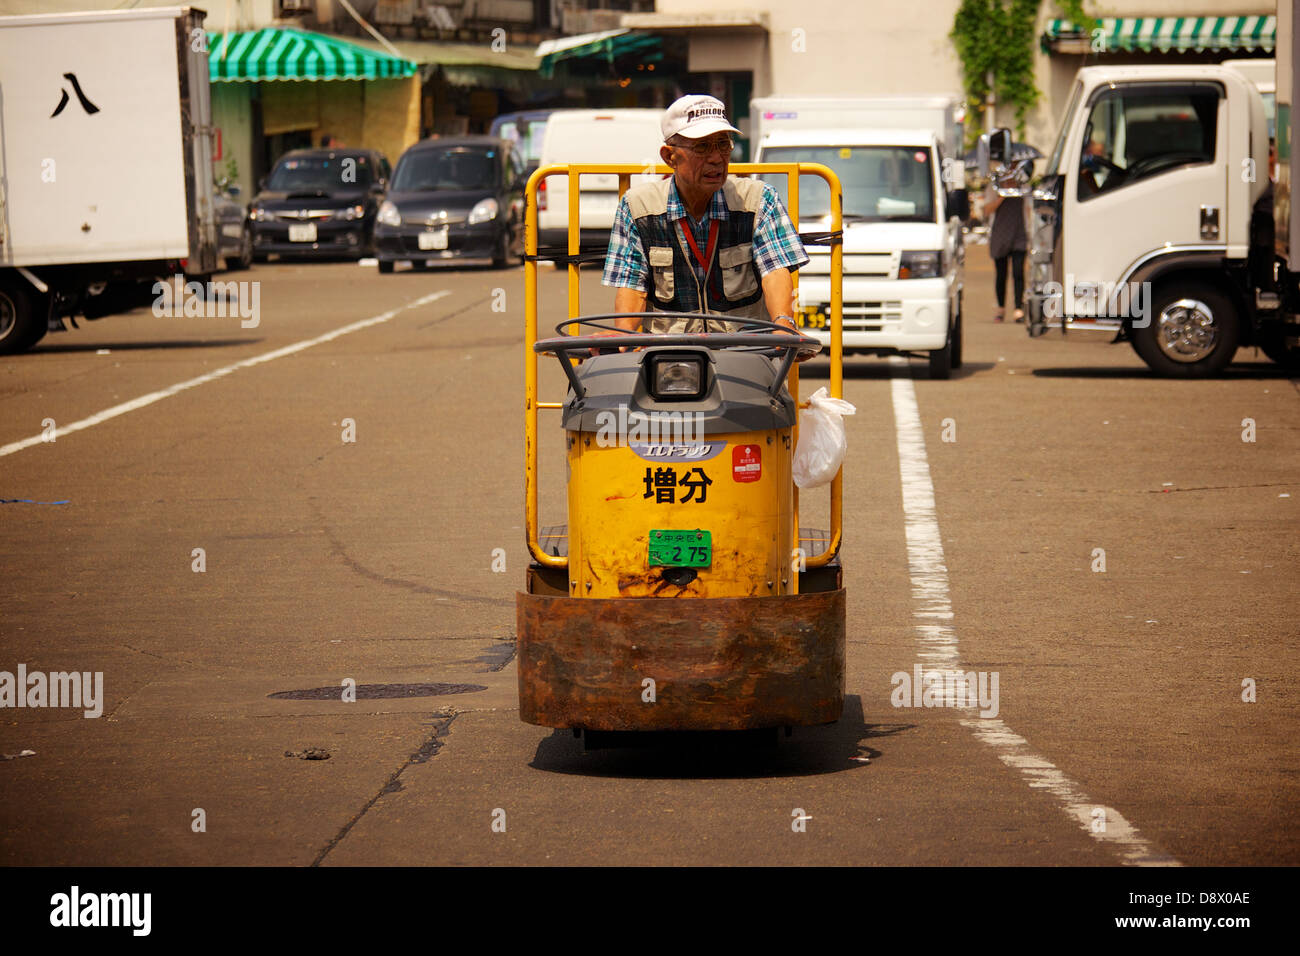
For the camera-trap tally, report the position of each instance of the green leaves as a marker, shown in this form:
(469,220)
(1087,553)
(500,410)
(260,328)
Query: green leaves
(995,39)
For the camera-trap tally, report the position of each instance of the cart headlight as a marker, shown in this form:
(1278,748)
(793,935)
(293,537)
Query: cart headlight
(677,377)
(388,214)
(920,265)
(485,210)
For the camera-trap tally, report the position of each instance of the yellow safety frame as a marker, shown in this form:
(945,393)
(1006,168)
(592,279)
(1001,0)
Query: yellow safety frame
(625,172)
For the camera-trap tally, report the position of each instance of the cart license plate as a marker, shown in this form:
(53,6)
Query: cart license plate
(302,232)
(681,549)
(434,239)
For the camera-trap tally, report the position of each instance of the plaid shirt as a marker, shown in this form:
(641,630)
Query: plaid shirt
(776,243)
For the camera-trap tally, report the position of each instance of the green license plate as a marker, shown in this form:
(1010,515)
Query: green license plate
(681,549)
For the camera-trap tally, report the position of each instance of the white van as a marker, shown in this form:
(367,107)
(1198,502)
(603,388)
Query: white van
(903,251)
(592,136)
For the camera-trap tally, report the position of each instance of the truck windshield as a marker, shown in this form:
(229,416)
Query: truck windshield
(449,168)
(881,183)
(320,174)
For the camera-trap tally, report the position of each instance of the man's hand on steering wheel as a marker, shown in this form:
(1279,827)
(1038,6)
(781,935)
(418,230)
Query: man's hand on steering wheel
(788,327)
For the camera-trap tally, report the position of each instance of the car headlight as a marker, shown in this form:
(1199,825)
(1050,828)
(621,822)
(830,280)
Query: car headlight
(920,265)
(677,377)
(258,214)
(388,214)
(485,210)
(350,213)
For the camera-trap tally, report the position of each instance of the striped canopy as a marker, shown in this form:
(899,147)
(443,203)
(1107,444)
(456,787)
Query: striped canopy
(281,53)
(1177,34)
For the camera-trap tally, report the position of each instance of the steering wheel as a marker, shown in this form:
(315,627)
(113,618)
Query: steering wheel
(759,335)
(767,338)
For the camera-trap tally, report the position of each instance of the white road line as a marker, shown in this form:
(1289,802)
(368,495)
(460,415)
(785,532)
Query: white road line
(939,647)
(145,400)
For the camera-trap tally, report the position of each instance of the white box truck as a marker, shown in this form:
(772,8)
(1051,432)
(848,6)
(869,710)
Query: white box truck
(105,162)
(1155,220)
(899,162)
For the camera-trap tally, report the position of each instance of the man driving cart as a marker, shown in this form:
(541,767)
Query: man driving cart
(701,241)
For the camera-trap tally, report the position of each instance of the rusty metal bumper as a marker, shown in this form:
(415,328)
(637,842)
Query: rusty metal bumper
(715,663)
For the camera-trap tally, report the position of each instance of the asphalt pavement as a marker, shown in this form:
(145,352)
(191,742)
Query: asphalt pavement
(234,521)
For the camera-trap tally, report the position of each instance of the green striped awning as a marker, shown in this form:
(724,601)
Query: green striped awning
(281,53)
(1168,34)
(604,48)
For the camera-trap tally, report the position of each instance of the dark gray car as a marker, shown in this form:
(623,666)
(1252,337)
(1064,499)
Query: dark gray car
(453,198)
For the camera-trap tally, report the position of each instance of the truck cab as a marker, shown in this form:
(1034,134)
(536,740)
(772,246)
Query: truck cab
(902,239)
(1142,218)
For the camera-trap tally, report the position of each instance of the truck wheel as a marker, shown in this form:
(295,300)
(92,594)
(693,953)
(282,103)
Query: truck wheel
(957,337)
(1193,331)
(22,320)
(941,362)
(1272,342)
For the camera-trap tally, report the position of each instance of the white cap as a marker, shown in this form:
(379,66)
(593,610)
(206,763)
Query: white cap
(695,117)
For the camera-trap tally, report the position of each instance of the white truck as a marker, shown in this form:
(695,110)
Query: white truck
(1155,220)
(899,162)
(105,163)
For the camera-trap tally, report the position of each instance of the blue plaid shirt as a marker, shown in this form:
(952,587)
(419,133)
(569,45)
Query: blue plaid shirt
(776,243)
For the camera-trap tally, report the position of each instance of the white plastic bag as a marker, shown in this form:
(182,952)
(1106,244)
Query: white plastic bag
(822,442)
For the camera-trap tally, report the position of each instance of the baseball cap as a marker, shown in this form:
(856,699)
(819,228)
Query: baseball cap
(696,116)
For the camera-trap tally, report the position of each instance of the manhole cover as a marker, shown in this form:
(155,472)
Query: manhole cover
(378,691)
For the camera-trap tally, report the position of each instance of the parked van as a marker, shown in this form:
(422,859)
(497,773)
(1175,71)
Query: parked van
(904,203)
(593,136)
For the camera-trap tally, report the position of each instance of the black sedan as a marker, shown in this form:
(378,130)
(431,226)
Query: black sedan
(453,198)
(319,202)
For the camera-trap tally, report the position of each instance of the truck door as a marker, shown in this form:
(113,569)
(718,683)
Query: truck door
(1150,173)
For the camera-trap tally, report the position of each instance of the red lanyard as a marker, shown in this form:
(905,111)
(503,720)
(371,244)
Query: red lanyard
(713,243)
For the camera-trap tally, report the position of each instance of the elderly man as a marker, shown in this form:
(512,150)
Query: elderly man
(701,241)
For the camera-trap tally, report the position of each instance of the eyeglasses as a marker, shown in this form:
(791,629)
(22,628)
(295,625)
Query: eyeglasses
(722,147)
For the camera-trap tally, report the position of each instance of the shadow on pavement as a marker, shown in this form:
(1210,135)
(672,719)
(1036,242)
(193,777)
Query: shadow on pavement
(881,370)
(724,754)
(1238,370)
(142,346)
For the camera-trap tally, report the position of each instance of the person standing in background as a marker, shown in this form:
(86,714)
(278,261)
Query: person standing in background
(1008,240)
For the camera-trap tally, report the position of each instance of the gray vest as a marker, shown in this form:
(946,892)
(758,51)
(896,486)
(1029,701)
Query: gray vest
(732,271)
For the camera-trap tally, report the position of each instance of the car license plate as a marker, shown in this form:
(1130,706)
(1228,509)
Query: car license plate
(433,239)
(234,230)
(302,232)
(681,549)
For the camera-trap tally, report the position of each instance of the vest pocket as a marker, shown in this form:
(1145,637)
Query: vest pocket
(736,263)
(661,267)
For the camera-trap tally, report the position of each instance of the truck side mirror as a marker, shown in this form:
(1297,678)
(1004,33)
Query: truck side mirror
(959,204)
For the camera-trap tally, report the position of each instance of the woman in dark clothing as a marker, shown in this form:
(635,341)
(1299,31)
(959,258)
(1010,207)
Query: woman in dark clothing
(1007,240)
